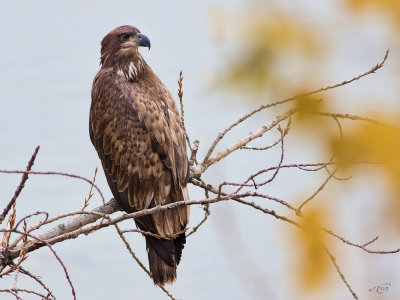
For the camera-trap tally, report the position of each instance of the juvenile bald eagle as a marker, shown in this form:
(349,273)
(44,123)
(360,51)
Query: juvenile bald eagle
(135,127)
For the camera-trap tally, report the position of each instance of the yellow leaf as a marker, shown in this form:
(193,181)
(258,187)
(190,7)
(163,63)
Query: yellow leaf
(313,262)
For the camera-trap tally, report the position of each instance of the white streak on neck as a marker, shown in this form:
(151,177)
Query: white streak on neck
(131,71)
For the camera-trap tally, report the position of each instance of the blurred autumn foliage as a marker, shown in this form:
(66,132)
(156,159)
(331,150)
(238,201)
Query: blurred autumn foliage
(266,47)
(389,8)
(281,48)
(312,259)
(371,142)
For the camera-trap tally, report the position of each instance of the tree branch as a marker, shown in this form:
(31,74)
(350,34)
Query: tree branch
(200,168)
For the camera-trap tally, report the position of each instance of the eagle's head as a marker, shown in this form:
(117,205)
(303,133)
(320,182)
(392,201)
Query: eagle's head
(122,44)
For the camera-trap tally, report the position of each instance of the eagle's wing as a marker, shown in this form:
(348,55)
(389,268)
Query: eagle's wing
(139,138)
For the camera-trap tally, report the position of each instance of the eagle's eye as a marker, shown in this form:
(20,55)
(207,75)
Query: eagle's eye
(124,36)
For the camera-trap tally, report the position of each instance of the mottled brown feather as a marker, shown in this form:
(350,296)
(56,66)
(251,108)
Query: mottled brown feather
(137,144)
(135,127)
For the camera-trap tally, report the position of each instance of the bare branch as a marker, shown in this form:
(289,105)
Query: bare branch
(51,220)
(242,119)
(271,212)
(285,132)
(243,142)
(84,219)
(262,107)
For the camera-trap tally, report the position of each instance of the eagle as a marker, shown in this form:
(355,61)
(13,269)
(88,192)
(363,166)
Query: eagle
(136,129)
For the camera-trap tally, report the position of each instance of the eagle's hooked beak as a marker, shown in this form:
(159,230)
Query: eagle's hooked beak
(143,41)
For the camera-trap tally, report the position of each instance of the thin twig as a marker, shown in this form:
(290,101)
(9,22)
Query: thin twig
(15,294)
(142,232)
(355,118)
(339,126)
(14,291)
(371,241)
(333,260)
(120,233)
(38,280)
(20,186)
(15,267)
(285,132)
(90,191)
(61,174)
(206,209)
(236,197)
(58,174)
(321,187)
(361,246)
(276,169)
(180,95)
(5,241)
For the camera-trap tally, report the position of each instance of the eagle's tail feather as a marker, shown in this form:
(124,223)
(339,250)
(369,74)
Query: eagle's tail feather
(161,272)
(164,256)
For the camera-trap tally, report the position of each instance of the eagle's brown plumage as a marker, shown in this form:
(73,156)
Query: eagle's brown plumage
(135,127)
